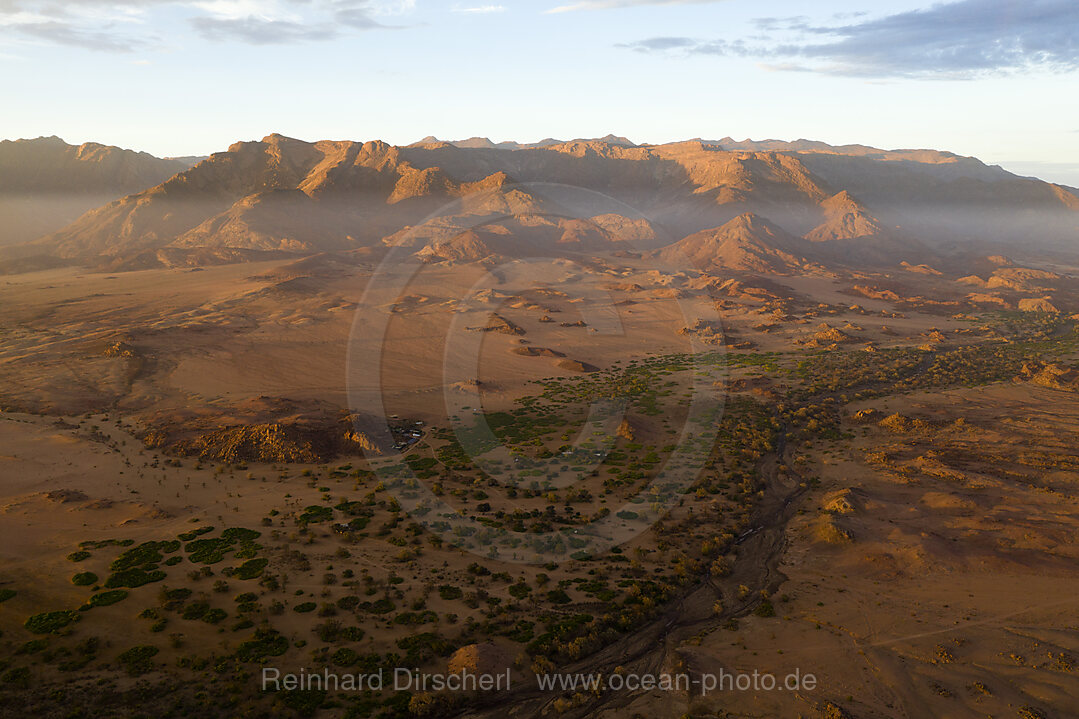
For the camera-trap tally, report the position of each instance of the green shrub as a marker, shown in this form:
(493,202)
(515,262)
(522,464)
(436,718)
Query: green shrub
(137,660)
(84,579)
(266,643)
(79,555)
(195,610)
(381,606)
(348,602)
(765,609)
(250,569)
(520,590)
(48,622)
(6,594)
(215,616)
(421,647)
(104,599)
(17,677)
(133,578)
(304,702)
(344,657)
(416,618)
(175,595)
(240,534)
(316,513)
(138,556)
(207,551)
(447,591)
(33,646)
(305,607)
(522,632)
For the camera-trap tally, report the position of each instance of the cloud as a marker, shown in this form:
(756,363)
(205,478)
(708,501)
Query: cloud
(119,25)
(954,40)
(379,8)
(258,31)
(617,4)
(297,20)
(103,25)
(63,33)
(686,45)
(661,44)
(968,37)
(479,10)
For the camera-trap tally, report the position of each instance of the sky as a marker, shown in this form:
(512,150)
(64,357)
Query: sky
(996,79)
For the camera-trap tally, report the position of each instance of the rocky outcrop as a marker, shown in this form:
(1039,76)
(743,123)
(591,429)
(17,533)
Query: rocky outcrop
(1040,304)
(498,323)
(303,439)
(1050,375)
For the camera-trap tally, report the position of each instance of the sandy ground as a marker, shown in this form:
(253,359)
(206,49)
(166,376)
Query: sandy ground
(953,594)
(957,596)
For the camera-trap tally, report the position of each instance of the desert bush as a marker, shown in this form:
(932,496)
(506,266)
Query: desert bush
(49,622)
(447,591)
(137,660)
(132,578)
(266,643)
(104,599)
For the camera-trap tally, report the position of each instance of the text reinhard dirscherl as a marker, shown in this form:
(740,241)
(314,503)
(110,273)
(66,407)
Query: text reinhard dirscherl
(413,680)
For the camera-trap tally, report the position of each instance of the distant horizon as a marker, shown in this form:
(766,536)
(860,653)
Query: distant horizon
(1066,174)
(992,79)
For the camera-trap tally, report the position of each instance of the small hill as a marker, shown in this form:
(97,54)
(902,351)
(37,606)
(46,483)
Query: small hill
(467,246)
(747,243)
(844,219)
(275,220)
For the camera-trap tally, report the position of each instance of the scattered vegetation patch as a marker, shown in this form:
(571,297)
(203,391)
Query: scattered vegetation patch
(238,540)
(49,622)
(132,578)
(304,702)
(138,660)
(265,644)
(139,556)
(104,599)
(447,591)
(315,513)
(250,569)
(207,551)
(84,579)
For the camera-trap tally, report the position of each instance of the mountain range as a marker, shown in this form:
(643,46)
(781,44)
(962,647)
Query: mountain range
(46,183)
(749,206)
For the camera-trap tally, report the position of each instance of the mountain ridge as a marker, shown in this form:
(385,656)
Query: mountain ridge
(330,195)
(46,183)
